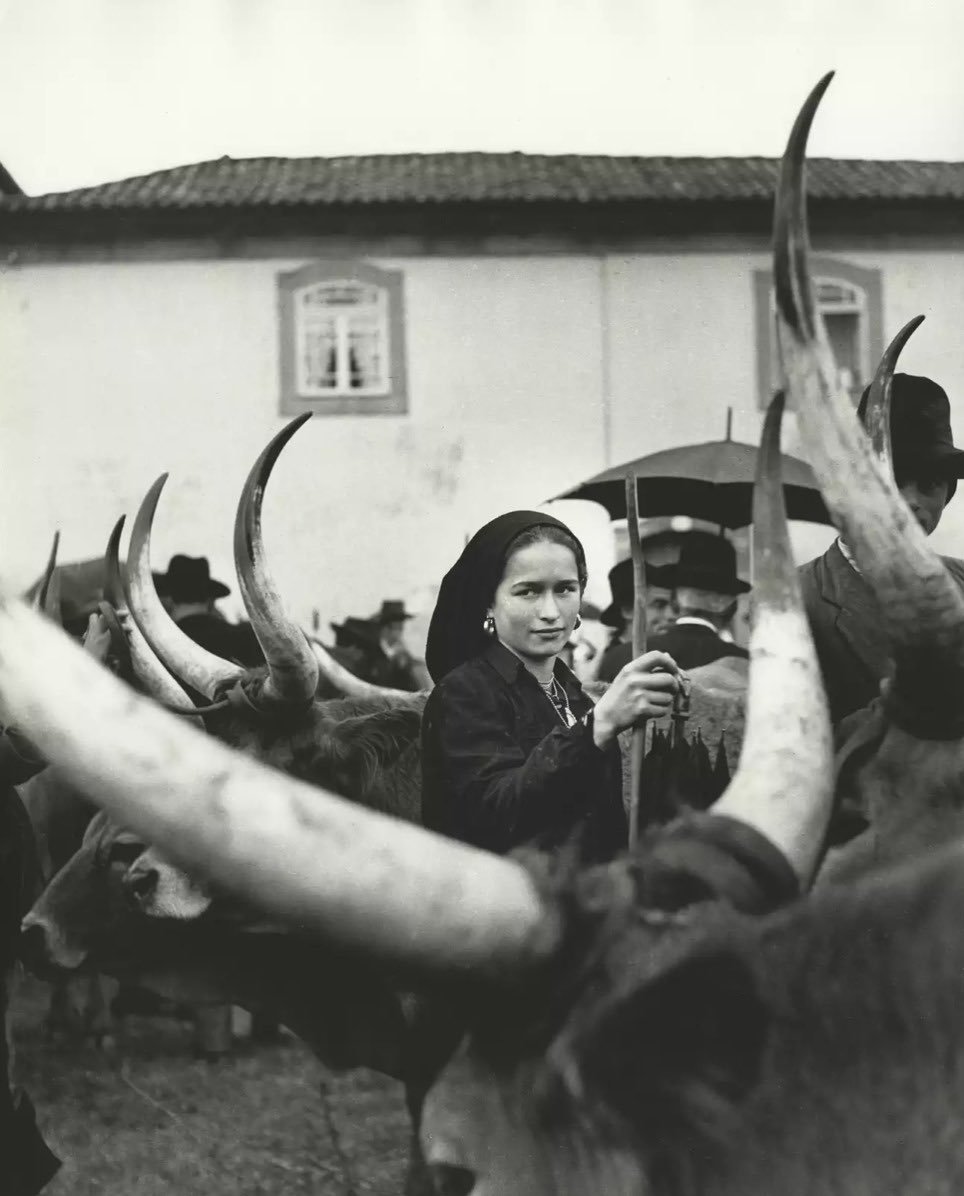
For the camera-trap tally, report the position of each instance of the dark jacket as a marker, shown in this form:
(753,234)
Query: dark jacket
(500,770)
(231,641)
(851,642)
(693,644)
(26,1163)
(690,645)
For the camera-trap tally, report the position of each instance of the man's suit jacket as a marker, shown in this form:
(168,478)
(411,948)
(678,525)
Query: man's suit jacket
(692,645)
(845,619)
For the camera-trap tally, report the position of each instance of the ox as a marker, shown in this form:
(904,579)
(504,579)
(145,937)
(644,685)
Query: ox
(812,1050)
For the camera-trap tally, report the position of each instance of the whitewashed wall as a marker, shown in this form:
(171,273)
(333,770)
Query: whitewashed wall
(526,375)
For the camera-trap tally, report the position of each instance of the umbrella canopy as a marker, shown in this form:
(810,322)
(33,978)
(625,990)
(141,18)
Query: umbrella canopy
(711,481)
(81,587)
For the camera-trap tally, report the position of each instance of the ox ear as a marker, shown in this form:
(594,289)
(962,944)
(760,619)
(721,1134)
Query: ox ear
(677,1054)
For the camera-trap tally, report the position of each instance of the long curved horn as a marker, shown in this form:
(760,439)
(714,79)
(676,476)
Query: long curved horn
(292,668)
(322,863)
(47,597)
(114,592)
(346,682)
(152,677)
(188,661)
(784,784)
(877,415)
(921,607)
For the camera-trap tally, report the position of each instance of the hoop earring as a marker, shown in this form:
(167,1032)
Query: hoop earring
(578,623)
(488,625)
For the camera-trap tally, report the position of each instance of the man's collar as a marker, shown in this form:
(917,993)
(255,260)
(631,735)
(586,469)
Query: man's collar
(847,555)
(696,621)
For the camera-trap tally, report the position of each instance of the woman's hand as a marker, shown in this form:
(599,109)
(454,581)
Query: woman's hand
(644,688)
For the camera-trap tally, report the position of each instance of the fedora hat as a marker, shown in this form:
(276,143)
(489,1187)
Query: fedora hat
(355,633)
(621,585)
(188,579)
(392,611)
(920,430)
(708,562)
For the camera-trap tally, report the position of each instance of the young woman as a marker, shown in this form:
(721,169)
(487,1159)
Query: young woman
(513,751)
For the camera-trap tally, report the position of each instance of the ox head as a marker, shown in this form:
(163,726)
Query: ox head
(83,911)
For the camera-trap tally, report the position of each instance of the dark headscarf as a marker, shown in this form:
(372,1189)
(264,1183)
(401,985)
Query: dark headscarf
(455,633)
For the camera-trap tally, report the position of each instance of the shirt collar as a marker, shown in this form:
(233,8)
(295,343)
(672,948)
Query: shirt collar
(509,666)
(847,555)
(696,621)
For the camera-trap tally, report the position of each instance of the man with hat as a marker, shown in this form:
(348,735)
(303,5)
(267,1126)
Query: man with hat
(190,592)
(660,612)
(707,588)
(374,649)
(844,617)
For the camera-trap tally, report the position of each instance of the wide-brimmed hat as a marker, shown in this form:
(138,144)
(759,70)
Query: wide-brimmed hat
(188,579)
(920,429)
(708,562)
(356,633)
(392,611)
(621,585)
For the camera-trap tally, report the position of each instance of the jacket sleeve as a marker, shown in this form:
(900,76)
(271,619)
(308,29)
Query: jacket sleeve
(495,796)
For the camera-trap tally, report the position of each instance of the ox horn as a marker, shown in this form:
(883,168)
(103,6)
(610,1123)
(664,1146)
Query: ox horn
(292,668)
(877,415)
(329,866)
(150,674)
(921,607)
(347,683)
(47,597)
(188,661)
(784,784)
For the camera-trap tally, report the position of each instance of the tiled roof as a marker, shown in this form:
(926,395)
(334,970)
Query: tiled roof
(467,178)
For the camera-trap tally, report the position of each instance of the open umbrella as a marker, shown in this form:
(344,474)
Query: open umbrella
(80,588)
(711,481)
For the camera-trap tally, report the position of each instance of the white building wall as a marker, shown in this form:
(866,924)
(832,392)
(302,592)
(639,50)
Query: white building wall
(526,375)
(114,373)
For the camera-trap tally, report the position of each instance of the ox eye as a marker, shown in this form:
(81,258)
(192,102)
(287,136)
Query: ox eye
(124,853)
(449,1179)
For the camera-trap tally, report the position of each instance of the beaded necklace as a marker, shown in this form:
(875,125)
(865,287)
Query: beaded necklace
(560,702)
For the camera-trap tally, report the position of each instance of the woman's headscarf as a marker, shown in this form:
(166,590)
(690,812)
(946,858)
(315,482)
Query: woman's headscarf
(455,633)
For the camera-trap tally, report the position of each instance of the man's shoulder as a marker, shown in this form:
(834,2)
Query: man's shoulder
(681,633)
(812,572)
(955,567)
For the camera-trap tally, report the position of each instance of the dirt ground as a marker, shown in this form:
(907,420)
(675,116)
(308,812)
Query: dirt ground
(146,1119)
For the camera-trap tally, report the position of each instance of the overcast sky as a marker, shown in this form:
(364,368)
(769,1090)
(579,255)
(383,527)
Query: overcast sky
(103,89)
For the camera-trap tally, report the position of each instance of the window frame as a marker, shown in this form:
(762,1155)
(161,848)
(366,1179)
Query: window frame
(870,329)
(293,402)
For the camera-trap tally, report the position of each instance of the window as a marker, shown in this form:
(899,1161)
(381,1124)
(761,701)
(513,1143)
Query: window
(342,349)
(850,301)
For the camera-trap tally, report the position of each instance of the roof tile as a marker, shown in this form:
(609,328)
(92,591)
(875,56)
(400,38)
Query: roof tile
(493,178)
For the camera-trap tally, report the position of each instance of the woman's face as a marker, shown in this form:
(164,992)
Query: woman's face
(537,601)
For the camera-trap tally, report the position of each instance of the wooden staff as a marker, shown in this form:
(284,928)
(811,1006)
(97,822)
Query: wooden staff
(639,647)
